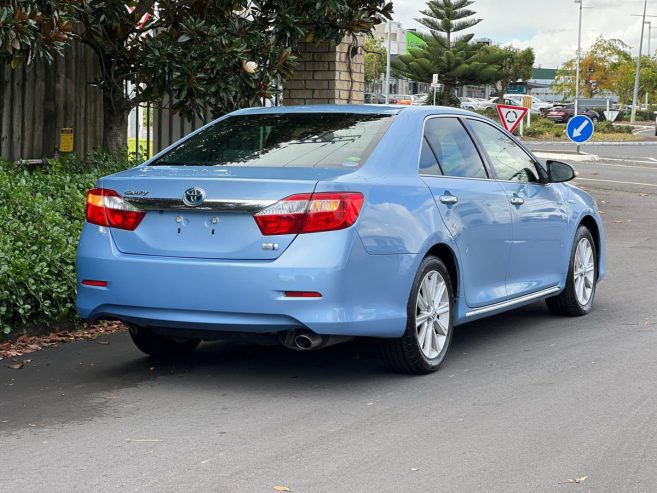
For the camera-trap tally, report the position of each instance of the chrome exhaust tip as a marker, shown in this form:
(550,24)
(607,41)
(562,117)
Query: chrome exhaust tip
(307,340)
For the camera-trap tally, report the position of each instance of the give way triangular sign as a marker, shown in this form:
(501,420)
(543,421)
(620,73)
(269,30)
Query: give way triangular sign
(511,116)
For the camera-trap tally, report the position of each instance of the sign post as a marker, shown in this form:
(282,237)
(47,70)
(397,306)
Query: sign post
(511,116)
(527,103)
(434,84)
(580,128)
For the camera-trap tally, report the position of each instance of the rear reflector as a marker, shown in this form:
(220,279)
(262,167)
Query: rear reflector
(107,208)
(303,294)
(310,213)
(92,282)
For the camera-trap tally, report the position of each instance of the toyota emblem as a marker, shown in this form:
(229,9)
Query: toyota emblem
(193,197)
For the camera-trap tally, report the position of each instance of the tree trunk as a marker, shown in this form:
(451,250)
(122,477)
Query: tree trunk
(115,124)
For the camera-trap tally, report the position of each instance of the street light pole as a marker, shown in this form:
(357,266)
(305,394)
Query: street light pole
(579,55)
(635,98)
(387,93)
(649,52)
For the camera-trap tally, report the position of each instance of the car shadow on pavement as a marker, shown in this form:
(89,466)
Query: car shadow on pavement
(261,367)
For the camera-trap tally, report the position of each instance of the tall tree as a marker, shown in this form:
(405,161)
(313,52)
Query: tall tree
(453,56)
(221,54)
(514,65)
(375,60)
(600,69)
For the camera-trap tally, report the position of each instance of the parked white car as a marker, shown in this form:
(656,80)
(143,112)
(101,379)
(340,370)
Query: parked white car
(470,104)
(538,105)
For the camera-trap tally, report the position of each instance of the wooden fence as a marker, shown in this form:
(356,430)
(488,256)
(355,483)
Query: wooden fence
(37,101)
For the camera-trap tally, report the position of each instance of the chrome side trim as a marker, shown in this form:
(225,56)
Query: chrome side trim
(514,301)
(162,204)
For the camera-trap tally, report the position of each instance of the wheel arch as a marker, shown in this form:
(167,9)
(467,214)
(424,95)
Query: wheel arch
(446,254)
(592,225)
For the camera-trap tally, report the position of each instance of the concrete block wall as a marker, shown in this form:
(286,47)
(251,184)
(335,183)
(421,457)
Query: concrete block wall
(327,74)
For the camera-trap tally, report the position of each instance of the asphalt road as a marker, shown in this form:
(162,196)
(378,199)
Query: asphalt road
(525,401)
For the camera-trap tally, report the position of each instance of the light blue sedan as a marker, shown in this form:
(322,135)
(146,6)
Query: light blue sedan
(309,226)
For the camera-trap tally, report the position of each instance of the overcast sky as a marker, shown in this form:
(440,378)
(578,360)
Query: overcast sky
(549,26)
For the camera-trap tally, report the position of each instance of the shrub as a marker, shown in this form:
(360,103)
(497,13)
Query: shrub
(608,127)
(41,212)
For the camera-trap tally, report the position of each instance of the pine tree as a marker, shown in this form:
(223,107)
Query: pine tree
(455,58)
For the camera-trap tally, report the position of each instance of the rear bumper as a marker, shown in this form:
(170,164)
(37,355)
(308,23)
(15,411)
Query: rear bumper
(362,294)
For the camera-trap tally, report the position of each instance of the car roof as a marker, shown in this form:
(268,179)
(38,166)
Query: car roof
(389,109)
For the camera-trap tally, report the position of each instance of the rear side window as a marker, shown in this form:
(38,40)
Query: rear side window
(453,148)
(428,161)
(320,140)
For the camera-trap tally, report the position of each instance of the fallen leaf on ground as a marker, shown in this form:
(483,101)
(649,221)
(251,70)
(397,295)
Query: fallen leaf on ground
(414,469)
(577,480)
(281,488)
(28,344)
(644,194)
(16,366)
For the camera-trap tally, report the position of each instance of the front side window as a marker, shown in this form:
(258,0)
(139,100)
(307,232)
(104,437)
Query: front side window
(510,161)
(320,140)
(454,149)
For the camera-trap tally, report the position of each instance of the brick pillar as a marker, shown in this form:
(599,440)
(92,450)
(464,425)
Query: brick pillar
(327,74)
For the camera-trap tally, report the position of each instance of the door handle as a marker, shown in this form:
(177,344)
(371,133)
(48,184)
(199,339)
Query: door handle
(449,199)
(517,200)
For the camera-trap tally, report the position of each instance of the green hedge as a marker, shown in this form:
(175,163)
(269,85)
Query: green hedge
(41,213)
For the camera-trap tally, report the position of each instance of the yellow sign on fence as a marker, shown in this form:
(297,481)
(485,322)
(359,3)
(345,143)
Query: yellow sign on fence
(527,102)
(66,140)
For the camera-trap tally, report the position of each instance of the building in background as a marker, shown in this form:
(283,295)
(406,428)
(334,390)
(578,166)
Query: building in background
(401,40)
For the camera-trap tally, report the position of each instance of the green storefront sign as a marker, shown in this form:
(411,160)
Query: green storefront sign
(413,41)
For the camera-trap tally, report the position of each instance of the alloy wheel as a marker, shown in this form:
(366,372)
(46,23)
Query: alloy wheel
(584,271)
(432,312)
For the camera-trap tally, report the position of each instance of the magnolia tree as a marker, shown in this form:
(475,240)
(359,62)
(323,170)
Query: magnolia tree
(199,54)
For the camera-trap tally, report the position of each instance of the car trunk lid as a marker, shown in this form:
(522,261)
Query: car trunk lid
(222,226)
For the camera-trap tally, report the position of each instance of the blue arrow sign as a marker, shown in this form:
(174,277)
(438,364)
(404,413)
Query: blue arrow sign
(580,129)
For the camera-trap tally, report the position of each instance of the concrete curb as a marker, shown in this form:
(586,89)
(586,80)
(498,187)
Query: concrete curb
(561,156)
(537,143)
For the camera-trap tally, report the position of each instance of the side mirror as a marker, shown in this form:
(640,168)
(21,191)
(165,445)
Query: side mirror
(559,172)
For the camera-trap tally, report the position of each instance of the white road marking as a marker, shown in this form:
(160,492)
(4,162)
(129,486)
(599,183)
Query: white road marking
(595,165)
(620,182)
(625,160)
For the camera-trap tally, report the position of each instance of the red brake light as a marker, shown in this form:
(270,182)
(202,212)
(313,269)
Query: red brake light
(107,208)
(310,213)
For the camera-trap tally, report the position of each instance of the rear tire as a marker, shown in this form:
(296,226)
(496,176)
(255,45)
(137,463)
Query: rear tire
(160,346)
(577,298)
(430,309)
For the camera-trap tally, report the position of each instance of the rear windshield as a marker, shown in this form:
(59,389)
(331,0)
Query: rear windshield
(320,140)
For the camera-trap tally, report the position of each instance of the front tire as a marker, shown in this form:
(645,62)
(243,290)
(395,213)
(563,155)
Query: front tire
(425,343)
(577,298)
(160,346)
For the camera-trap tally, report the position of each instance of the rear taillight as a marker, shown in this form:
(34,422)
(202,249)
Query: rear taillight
(310,213)
(107,208)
